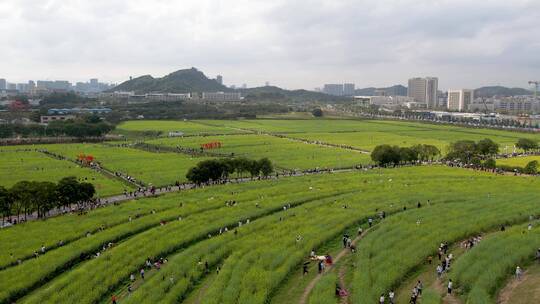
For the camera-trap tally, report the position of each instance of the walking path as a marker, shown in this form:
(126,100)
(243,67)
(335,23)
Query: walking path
(319,276)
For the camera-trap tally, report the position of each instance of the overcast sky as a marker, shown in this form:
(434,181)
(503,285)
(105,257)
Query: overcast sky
(293,44)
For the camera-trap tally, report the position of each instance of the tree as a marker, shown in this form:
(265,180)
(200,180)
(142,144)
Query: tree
(317,112)
(489,163)
(68,191)
(385,155)
(6,202)
(266,166)
(407,155)
(23,198)
(531,167)
(487,147)
(463,150)
(527,144)
(254,168)
(45,197)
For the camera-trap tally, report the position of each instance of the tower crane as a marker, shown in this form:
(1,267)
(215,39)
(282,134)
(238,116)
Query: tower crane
(536,83)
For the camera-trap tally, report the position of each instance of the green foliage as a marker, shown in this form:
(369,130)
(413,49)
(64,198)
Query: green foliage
(468,151)
(220,169)
(489,163)
(385,155)
(531,167)
(527,144)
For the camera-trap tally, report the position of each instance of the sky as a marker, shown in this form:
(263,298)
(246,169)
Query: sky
(291,44)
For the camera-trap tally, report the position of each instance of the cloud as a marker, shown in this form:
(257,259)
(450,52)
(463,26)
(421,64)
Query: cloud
(290,43)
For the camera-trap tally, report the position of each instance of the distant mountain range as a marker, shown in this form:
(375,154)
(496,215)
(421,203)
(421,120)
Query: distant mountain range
(396,90)
(193,80)
(278,94)
(500,91)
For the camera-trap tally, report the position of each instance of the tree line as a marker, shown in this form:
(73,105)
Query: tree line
(385,155)
(221,169)
(79,128)
(27,197)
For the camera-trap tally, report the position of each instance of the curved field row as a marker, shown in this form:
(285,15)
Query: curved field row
(481,272)
(22,240)
(393,250)
(291,256)
(25,276)
(273,227)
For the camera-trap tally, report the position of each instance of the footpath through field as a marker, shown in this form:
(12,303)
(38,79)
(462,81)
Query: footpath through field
(339,256)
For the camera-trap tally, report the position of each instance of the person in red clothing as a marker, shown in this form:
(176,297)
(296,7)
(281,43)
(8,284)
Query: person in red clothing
(113,298)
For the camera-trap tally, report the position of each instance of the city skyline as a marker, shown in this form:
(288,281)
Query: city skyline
(292,45)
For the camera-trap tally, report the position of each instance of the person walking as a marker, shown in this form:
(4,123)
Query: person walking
(391,296)
(518,273)
(381,299)
(450,285)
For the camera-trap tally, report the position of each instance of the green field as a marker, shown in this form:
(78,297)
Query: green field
(285,153)
(520,161)
(318,217)
(151,168)
(165,126)
(275,223)
(31,165)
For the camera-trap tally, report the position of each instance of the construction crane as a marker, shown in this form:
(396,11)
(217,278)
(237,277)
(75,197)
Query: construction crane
(536,83)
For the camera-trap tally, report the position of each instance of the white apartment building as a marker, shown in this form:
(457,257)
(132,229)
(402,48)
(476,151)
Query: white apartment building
(424,90)
(459,100)
(221,96)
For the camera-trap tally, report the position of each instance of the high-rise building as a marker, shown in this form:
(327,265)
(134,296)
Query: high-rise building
(424,90)
(459,100)
(219,79)
(333,89)
(348,89)
(3,84)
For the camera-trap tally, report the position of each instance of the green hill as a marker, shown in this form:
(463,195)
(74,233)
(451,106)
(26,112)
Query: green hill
(500,91)
(181,81)
(272,93)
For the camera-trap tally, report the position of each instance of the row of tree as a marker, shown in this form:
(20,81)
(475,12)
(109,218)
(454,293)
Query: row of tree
(221,169)
(72,128)
(27,197)
(385,155)
(468,151)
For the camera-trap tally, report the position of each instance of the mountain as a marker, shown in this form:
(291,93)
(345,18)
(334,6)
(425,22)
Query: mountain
(272,93)
(181,81)
(500,91)
(396,90)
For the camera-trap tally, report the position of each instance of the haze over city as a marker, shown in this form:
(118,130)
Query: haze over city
(292,44)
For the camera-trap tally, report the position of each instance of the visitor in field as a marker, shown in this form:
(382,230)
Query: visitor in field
(450,285)
(370,222)
(419,287)
(360,230)
(439,271)
(320,266)
(113,299)
(414,295)
(381,299)
(391,296)
(142,273)
(518,273)
(305,269)
(132,277)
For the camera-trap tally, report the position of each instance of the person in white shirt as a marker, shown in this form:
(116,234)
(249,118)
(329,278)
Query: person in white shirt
(450,284)
(381,299)
(391,296)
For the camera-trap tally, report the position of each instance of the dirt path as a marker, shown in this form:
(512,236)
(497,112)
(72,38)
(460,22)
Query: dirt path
(525,290)
(338,257)
(448,298)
